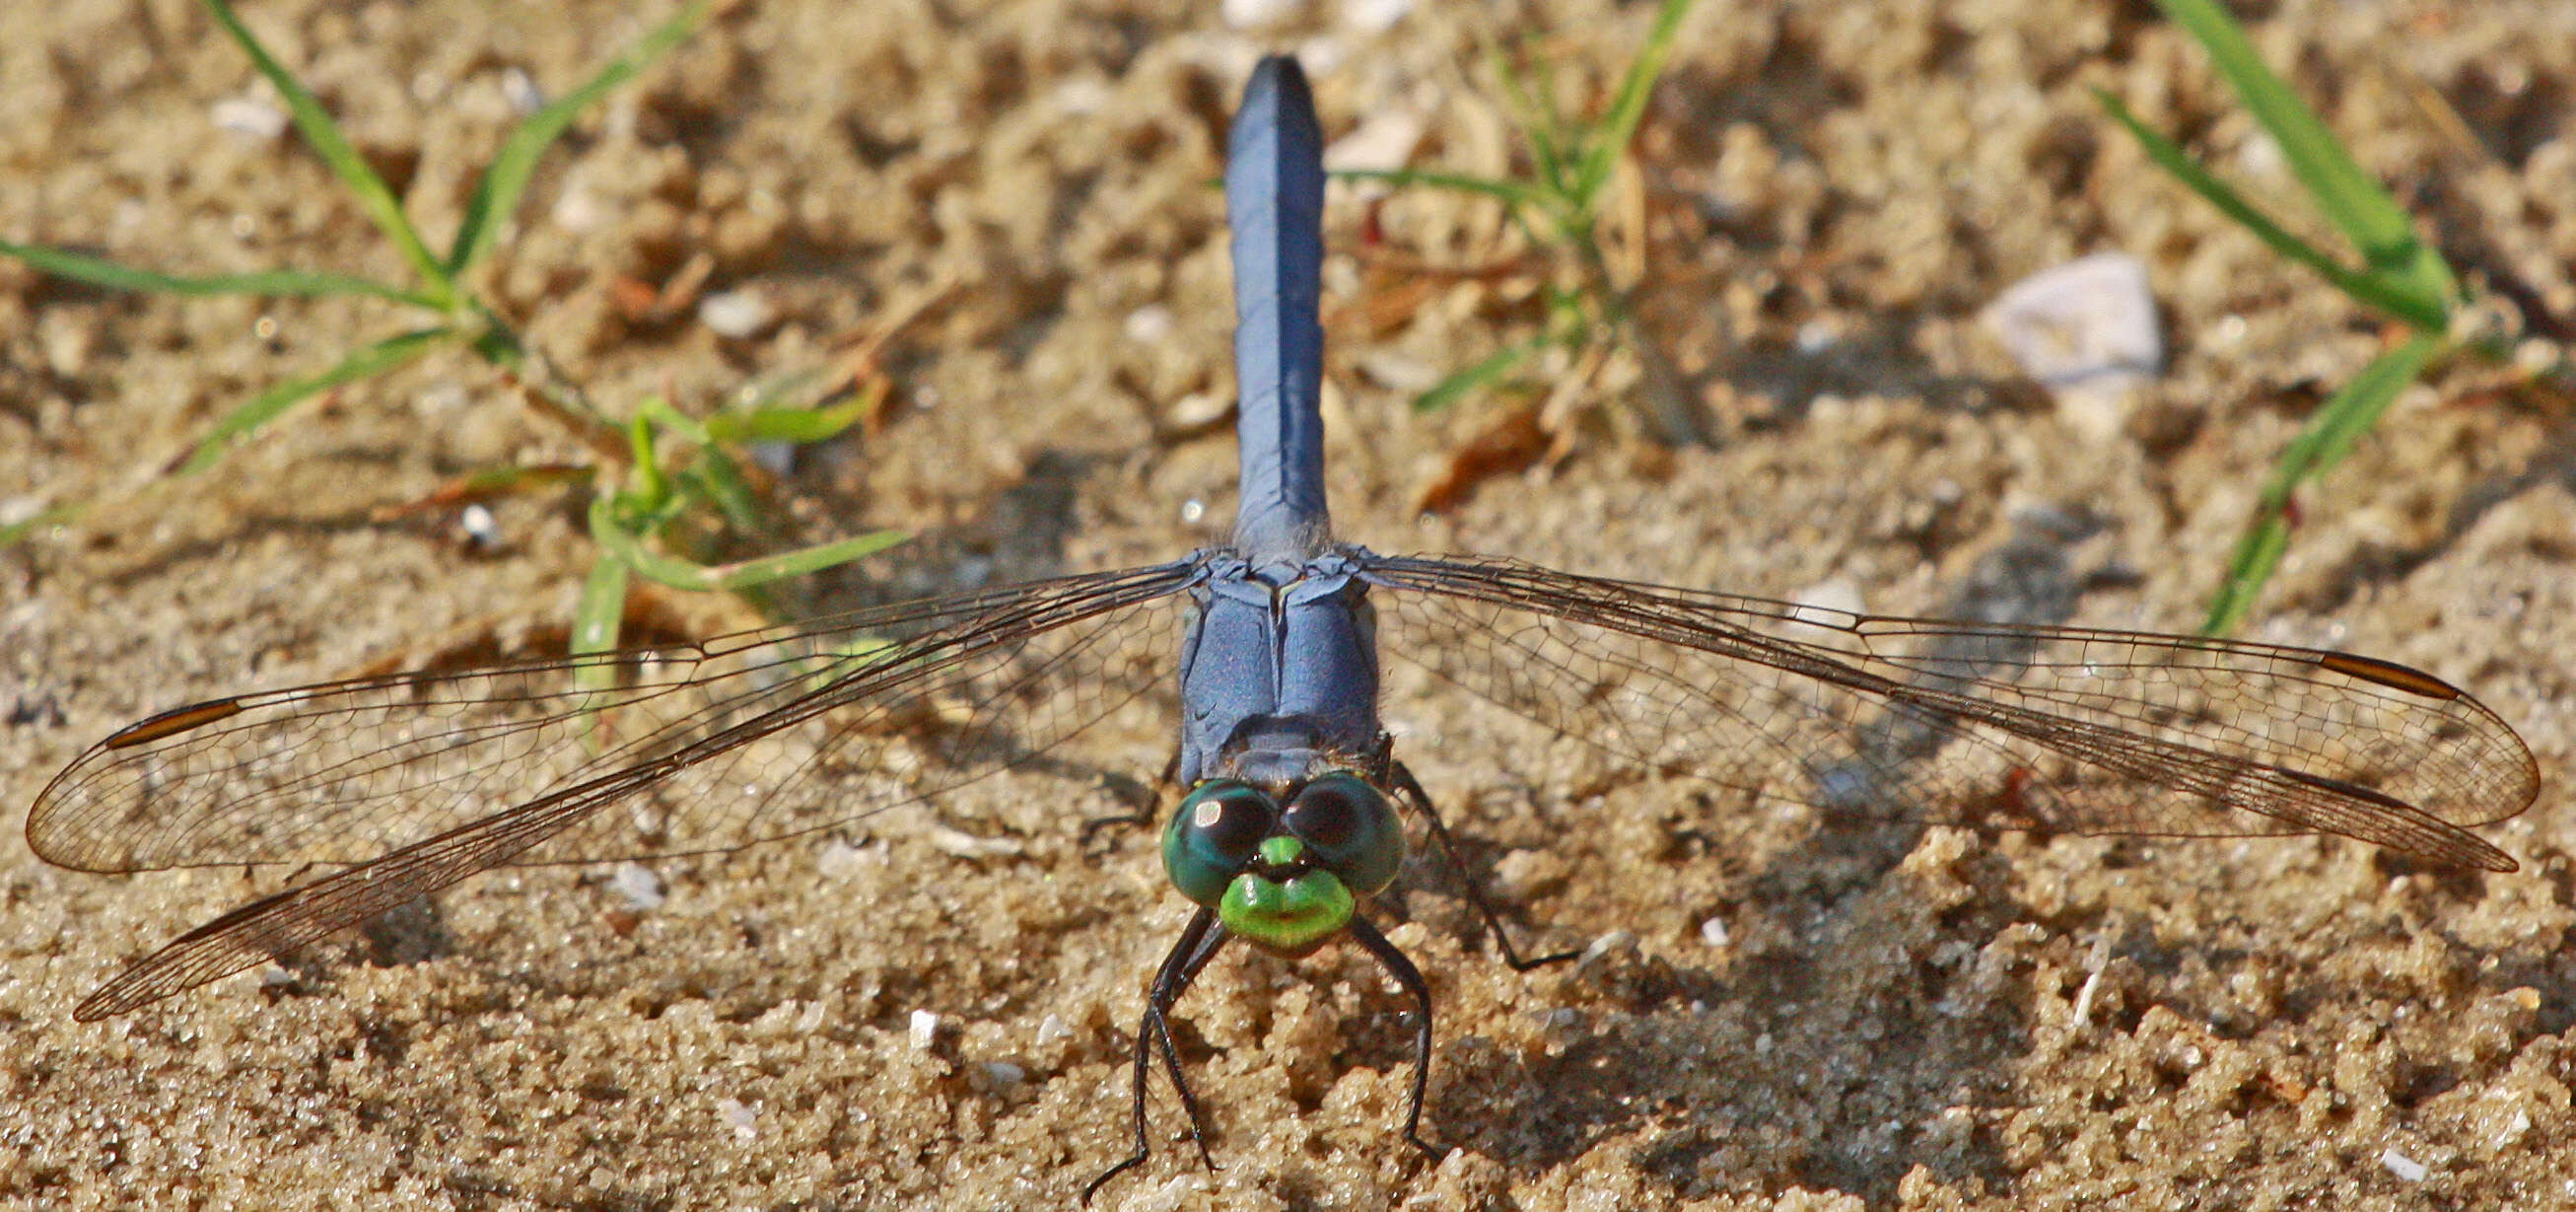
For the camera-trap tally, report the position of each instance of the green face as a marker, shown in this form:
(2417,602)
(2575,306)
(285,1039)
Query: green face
(1285,879)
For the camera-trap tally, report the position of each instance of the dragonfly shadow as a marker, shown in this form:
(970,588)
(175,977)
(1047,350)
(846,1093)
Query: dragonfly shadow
(1879,977)
(1822,1053)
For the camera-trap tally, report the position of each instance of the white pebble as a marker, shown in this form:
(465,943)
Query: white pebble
(736,313)
(1713,932)
(1253,14)
(248,119)
(639,885)
(2402,1166)
(743,1120)
(1149,324)
(925,1030)
(2089,324)
(1374,16)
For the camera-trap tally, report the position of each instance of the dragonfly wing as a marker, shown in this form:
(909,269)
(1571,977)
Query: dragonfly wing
(1990,725)
(422,780)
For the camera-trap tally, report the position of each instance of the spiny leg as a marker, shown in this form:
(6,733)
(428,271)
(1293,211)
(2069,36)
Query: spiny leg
(1410,788)
(1410,977)
(1198,943)
(1093,827)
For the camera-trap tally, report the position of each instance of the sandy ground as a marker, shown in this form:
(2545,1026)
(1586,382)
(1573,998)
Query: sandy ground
(1935,1020)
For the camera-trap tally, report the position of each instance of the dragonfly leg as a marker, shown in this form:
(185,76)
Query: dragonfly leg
(1148,803)
(1405,974)
(1198,944)
(1411,788)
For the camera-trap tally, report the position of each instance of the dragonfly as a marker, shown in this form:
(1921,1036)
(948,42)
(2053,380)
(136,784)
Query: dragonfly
(1295,814)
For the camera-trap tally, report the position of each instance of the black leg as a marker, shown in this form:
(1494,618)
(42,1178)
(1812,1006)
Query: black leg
(1410,977)
(1197,945)
(1407,786)
(1144,815)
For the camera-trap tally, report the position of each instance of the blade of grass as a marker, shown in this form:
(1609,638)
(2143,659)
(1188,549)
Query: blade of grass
(678,573)
(497,194)
(373,360)
(1506,191)
(1538,122)
(2351,199)
(2367,289)
(290,283)
(1609,138)
(17,532)
(2327,438)
(1461,383)
(801,426)
(324,135)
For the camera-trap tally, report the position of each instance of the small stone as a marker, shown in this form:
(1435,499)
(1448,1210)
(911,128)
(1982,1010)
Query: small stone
(1257,14)
(736,313)
(2089,325)
(639,885)
(249,119)
(1374,16)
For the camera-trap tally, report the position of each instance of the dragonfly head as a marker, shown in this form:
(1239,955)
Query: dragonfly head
(1286,879)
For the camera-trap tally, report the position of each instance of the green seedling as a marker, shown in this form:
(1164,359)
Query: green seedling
(659,506)
(675,493)
(1560,208)
(2400,276)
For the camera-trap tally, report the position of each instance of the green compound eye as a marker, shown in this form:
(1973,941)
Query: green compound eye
(1214,834)
(1351,829)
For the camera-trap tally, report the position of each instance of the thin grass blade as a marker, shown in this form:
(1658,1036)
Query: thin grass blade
(497,194)
(2350,198)
(324,135)
(2339,422)
(284,283)
(1537,122)
(679,573)
(18,532)
(801,426)
(2370,290)
(1609,137)
(374,360)
(1468,380)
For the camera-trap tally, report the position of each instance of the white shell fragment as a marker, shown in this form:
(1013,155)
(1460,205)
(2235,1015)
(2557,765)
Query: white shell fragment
(639,885)
(736,313)
(249,119)
(2088,325)
(2402,1166)
(925,1030)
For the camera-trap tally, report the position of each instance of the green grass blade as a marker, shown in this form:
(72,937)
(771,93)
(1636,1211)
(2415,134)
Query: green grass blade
(678,573)
(324,135)
(2353,201)
(2339,422)
(1464,382)
(2370,290)
(375,359)
(1610,136)
(1512,192)
(497,194)
(1537,122)
(718,480)
(597,619)
(18,532)
(800,426)
(287,283)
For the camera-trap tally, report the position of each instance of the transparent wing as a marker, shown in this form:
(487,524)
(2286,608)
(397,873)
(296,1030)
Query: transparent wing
(1992,725)
(422,780)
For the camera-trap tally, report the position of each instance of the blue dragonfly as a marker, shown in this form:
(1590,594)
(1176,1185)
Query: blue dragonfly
(1268,651)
